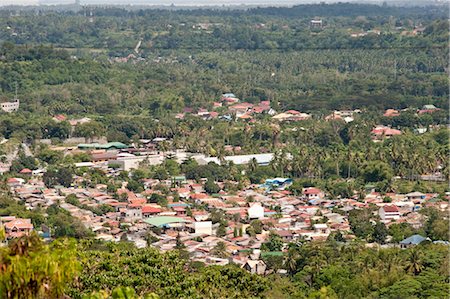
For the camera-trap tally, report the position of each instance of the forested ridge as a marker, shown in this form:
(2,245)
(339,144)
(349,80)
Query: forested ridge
(61,61)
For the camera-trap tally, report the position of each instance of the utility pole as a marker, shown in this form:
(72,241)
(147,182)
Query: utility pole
(395,69)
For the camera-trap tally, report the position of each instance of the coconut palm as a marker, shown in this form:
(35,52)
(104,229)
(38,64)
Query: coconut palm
(414,263)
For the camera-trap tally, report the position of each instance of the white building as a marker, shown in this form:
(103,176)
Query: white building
(10,106)
(388,213)
(132,214)
(321,228)
(203,227)
(313,193)
(256,211)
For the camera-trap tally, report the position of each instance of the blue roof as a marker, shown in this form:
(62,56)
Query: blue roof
(414,239)
(279,181)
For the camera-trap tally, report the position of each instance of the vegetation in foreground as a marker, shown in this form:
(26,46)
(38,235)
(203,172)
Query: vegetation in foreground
(90,269)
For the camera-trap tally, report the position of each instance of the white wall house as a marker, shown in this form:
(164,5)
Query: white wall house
(256,211)
(10,106)
(388,213)
(203,227)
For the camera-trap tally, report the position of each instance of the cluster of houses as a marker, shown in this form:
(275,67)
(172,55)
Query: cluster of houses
(231,108)
(426,109)
(186,215)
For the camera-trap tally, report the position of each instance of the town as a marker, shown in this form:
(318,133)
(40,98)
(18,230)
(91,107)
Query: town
(217,221)
(227,151)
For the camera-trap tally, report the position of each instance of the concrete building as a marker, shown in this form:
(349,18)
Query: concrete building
(388,213)
(203,227)
(316,24)
(256,211)
(10,106)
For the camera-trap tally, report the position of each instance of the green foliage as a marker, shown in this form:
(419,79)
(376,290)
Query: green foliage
(275,243)
(58,176)
(65,225)
(220,250)
(360,222)
(147,270)
(380,233)
(436,226)
(22,162)
(400,231)
(376,171)
(211,187)
(31,269)
(159,199)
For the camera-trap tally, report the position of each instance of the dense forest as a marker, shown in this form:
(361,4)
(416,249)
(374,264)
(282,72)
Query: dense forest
(62,62)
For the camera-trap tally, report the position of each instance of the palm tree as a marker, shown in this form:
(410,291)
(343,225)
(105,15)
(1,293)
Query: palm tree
(2,235)
(220,250)
(291,259)
(252,165)
(415,262)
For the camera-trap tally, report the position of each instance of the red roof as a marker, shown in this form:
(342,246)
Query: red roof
(293,112)
(60,117)
(179,209)
(386,131)
(150,210)
(213,114)
(230,100)
(26,170)
(391,112)
(118,204)
(199,196)
(423,111)
(245,116)
(390,209)
(139,201)
(19,223)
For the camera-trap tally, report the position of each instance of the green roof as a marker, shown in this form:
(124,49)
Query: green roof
(271,253)
(164,220)
(108,145)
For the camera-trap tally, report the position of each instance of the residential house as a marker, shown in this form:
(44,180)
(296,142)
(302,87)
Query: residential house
(345,115)
(10,106)
(312,193)
(18,227)
(255,267)
(412,241)
(391,113)
(321,228)
(316,24)
(389,212)
(256,211)
(203,227)
(416,197)
(428,109)
(381,132)
(240,109)
(132,213)
(150,211)
(291,115)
